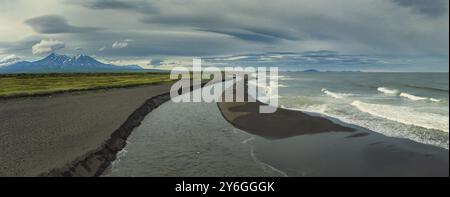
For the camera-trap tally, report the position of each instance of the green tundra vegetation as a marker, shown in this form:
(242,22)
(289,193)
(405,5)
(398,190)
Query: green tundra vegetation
(16,85)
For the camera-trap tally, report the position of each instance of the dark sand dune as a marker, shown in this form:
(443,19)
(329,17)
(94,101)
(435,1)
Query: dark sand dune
(281,124)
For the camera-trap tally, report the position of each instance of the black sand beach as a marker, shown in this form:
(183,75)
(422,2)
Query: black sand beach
(281,124)
(303,144)
(43,133)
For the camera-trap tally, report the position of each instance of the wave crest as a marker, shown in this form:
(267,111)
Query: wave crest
(336,94)
(412,97)
(405,115)
(388,91)
(418,98)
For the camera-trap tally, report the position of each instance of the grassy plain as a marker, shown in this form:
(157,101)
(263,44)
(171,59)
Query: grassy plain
(16,85)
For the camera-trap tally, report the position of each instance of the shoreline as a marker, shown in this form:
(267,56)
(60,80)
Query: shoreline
(94,163)
(46,134)
(283,123)
(357,153)
(237,114)
(72,133)
(289,141)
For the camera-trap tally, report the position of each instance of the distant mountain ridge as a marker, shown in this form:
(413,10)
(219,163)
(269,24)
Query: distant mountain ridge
(311,71)
(55,63)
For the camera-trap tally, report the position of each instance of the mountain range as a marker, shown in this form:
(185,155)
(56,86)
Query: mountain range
(55,63)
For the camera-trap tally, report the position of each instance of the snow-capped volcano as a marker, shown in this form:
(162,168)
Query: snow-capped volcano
(63,63)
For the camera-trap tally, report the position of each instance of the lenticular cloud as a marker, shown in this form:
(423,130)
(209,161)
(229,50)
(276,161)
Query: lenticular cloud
(47,46)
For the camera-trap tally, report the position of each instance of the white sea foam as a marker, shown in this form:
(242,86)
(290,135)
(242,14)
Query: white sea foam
(277,84)
(266,93)
(262,164)
(387,91)
(120,155)
(268,87)
(336,94)
(370,121)
(412,97)
(406,95)
(435,100)
(405,115)
(418,98)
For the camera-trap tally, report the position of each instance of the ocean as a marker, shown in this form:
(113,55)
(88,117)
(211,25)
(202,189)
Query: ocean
(193,139)
(406,105)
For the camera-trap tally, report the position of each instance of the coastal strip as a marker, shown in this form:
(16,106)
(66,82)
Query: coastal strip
(72,133)
(40,134)
(301,144)
(96,162)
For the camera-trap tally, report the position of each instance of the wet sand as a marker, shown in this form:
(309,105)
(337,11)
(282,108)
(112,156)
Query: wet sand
(303,144)
(281,124)
(39,134)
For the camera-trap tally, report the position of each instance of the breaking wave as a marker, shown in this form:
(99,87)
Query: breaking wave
(405,115)
(417,98)
(406,95)
(387,91)
(336,94)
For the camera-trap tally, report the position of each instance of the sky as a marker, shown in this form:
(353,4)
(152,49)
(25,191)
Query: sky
(366,35)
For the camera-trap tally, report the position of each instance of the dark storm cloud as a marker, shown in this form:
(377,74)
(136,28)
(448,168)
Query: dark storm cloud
(219,23)
(254,37)
(196,18)
(129,5)
(22,47)
(343,25)
(378,35)
(53,24)
(285,34)
(432,8)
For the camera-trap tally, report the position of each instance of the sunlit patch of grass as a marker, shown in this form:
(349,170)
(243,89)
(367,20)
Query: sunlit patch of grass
(35,84)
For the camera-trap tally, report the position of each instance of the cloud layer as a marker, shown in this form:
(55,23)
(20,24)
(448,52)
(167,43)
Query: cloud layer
(10,59)
(435,8)
(396,27)
(128,5)
(404,29)
(119,45)
(53,24)
(47,46)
